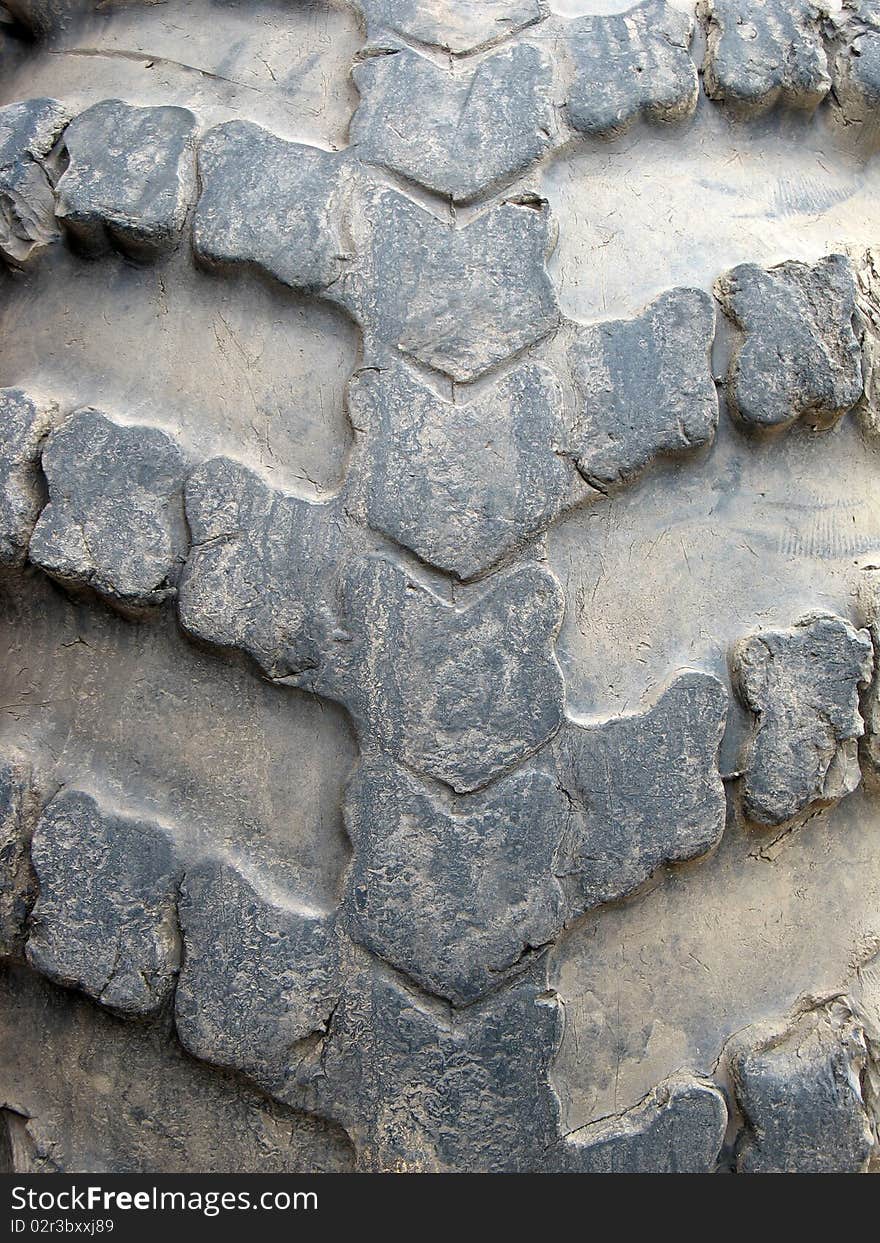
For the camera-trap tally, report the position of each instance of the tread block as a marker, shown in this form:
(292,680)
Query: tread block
(43,17)
(414,1084)
(801,1097)
(460,134)
(457,26)
(269,204)
(631,65)
(130,180)
(459,300)
(257,978)
(855,68)
(25,422)
(260,571)
(799,356)
(456,693)
(462,483)
(645,388)
(114,521)
(649,788)
(105,920)
(802,685)
(764,52)
(19,809)
(28,132)
(455,894)
(678,1129)
(869,610)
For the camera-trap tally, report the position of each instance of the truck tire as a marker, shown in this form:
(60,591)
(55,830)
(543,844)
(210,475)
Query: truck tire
(440,586)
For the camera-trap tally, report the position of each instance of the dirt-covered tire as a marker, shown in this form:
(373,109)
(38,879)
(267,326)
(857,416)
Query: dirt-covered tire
(439,585)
